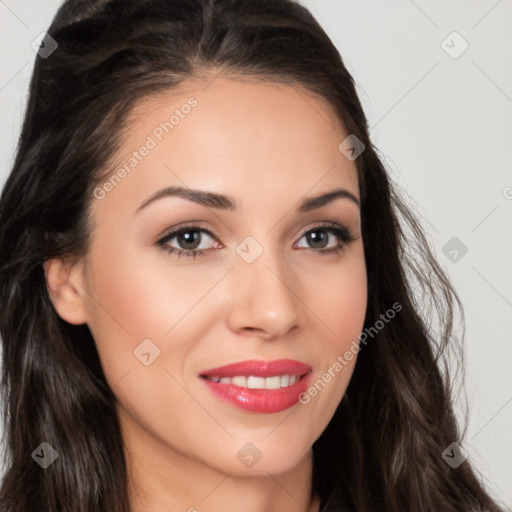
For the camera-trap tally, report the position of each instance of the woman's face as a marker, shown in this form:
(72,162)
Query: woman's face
(248,284)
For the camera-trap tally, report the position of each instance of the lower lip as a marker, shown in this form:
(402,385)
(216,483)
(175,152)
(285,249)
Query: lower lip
(259,400)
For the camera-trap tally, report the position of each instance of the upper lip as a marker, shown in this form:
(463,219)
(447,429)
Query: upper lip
(259,368)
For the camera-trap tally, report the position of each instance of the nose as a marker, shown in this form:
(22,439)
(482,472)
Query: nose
(262,298)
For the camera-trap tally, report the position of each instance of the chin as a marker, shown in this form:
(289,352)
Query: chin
(261,458)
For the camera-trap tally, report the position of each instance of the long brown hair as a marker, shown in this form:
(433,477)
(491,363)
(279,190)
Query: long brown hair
(383,448)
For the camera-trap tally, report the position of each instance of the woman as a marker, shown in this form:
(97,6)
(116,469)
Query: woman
(279,362)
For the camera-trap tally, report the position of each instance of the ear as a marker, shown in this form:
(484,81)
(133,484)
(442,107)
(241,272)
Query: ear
(64,278)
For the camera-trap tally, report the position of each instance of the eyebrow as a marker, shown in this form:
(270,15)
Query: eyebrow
(223,202)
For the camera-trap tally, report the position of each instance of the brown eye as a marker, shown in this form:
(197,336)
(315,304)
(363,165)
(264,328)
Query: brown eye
(188,241)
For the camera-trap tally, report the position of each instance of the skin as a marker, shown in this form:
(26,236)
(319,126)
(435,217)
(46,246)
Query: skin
(268,146)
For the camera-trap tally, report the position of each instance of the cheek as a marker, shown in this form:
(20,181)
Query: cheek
(348,311)
(144,308)
(341,308)
(132,309)
(140,295)
(337,295)
(129,303)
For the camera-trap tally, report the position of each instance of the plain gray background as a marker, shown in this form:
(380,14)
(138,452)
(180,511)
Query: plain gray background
(442,119)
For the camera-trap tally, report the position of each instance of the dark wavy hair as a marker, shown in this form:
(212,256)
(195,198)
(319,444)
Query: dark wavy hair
(382,449)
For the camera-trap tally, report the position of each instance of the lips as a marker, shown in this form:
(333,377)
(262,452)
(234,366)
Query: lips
(259,386)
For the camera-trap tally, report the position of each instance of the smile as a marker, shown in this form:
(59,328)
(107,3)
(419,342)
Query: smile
(259,386)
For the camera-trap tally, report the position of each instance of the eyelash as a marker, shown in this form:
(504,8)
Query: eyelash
(343,233)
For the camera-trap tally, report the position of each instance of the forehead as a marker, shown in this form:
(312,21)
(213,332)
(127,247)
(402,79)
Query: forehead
(246,138)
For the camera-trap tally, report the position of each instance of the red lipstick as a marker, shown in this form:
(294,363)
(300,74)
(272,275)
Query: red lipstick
(259,386)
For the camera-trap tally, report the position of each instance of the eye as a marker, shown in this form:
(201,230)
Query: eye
(318,238)
(189,240)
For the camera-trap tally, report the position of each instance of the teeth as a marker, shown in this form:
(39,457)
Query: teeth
(253,382)
(271,382)
(239,381)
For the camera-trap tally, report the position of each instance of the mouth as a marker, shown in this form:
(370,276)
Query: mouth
(259,386)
